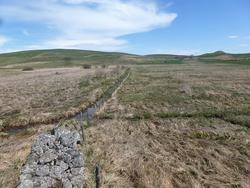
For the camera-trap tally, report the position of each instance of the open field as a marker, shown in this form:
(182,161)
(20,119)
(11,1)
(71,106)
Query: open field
(177,121)
(175,126)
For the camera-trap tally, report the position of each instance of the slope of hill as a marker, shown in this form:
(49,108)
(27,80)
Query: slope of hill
(221,54)
(61,58)
(69,58)
(225,58)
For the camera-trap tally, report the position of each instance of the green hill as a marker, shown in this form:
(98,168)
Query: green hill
(68,58)
(221,57)
(61,58)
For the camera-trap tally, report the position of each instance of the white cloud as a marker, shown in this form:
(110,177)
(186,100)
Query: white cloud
(88,23)
(233,36)
(3,40)
(108,44)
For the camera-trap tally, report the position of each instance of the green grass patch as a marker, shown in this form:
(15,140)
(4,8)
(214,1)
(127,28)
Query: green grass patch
(106,115)
(234,116)
(162,62)
(237,62)
(211,135)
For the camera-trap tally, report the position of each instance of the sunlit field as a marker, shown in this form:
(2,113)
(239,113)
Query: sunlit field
(175,126)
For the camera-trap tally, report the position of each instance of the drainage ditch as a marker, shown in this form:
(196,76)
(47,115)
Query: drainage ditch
(55,159)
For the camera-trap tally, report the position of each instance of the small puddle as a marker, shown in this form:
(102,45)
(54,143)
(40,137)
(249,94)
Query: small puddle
(88,113)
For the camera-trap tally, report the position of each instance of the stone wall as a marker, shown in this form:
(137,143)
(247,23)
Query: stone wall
(54,161)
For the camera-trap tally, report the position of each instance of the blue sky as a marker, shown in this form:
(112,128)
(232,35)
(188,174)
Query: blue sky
(141,27)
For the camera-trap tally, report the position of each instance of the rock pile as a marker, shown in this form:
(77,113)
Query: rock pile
(54,161)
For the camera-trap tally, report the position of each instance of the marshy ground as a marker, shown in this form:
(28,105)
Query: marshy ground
(45,95)
(169,125)
(31,101)
(175,126)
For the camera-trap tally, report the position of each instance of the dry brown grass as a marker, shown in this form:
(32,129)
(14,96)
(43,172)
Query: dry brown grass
(40,96)
(165,153)
(46,95)
(13,153)
(140,137)
(137,148)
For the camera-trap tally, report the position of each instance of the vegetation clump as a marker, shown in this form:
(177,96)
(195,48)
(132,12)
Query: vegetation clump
(86,66)
(27,69)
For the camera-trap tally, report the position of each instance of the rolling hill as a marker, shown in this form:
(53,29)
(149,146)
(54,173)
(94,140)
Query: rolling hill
(69,58)
(61,58)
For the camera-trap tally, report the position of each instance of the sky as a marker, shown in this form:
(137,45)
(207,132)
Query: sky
(188,27)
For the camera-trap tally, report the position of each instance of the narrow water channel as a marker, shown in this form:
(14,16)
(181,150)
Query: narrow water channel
(87,113)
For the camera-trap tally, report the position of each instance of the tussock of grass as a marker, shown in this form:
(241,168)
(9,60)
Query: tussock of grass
(105,116)
(210,135)
(86,66)
(27,69)
(4,135)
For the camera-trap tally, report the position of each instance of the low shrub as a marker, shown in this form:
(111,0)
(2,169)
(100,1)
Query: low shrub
(27,69)
(86,66)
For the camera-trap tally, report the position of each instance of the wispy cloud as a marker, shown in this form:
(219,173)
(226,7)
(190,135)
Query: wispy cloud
(92,24)
(233,36)
(3,40)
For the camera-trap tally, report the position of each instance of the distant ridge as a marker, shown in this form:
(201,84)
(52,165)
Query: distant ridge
(73,57)
(217,53)
(221,53)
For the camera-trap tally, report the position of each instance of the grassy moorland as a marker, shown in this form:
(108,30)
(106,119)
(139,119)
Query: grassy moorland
(37,59)
(64,58)
(47,95)
(184,125)
(31,101)
(61,58)
(177,121)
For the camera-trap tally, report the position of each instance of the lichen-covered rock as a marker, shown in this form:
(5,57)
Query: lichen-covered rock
(54,160)
(48,156)
(42,170)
